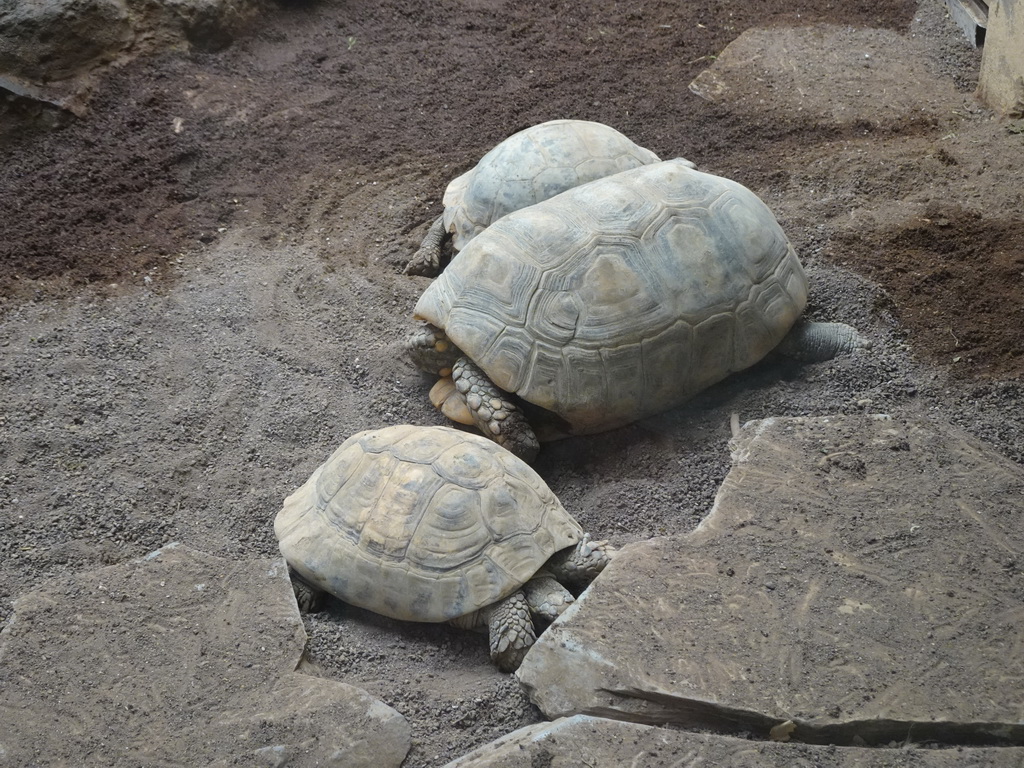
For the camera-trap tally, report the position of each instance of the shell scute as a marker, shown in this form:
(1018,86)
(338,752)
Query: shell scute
(619,296)
(551,181)
(613,208)
(466,468)
(451,535)
(411,446)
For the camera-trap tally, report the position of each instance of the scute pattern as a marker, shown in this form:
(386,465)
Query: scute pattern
(422,523)
(622,297)
(533,165)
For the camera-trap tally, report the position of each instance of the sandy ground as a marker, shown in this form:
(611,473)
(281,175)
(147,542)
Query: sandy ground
(192,320)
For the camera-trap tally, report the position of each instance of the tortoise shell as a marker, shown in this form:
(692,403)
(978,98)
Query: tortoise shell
(622,297)
(533,165)
(422,523)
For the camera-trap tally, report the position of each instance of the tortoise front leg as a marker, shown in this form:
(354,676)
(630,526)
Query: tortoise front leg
(546,597)
(493,412)
(510,630)
(427,260)
(581,564)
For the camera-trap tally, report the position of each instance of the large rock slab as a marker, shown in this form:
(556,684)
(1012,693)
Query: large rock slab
(828,75)
(862,577)
(178,659)
(580,740)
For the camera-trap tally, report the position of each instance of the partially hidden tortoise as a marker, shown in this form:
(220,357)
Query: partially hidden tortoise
(434,524)
(532,165)
(612,301)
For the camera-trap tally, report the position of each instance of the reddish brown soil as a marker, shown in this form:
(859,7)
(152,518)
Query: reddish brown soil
(120,190)
(958,278)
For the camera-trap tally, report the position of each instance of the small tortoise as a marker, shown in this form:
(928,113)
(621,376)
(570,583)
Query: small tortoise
(434,524)
(613,301)
(527,167)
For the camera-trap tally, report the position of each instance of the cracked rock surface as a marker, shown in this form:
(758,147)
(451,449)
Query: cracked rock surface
(178,658)
(860,576)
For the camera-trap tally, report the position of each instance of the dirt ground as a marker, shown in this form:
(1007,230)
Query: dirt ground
(202,291)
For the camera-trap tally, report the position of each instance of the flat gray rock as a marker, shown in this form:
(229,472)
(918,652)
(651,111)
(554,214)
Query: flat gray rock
(180,658)
(826,74)
(791,601)
(580,741)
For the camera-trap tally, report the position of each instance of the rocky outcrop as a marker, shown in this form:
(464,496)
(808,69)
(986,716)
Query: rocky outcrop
(50,50)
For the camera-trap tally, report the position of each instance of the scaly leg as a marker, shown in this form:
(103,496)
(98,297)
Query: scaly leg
(815,342)
(494,413)
(511,632)
(427,260)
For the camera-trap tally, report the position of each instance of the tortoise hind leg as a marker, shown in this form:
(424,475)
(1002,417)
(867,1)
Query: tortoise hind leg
(309,598)
(813,342)
(427,260)
(493,412)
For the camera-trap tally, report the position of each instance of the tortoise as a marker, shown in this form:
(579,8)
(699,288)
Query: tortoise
(435,524)
(613,301)
(527,167)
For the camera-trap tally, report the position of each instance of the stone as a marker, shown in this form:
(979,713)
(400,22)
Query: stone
(179,658)
(51,50)
(859,576)
(828,75)
(50,40)
(580,740)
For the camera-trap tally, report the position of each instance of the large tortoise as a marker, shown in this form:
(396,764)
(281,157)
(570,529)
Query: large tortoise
(613,301)
(434,524)
(527,167)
